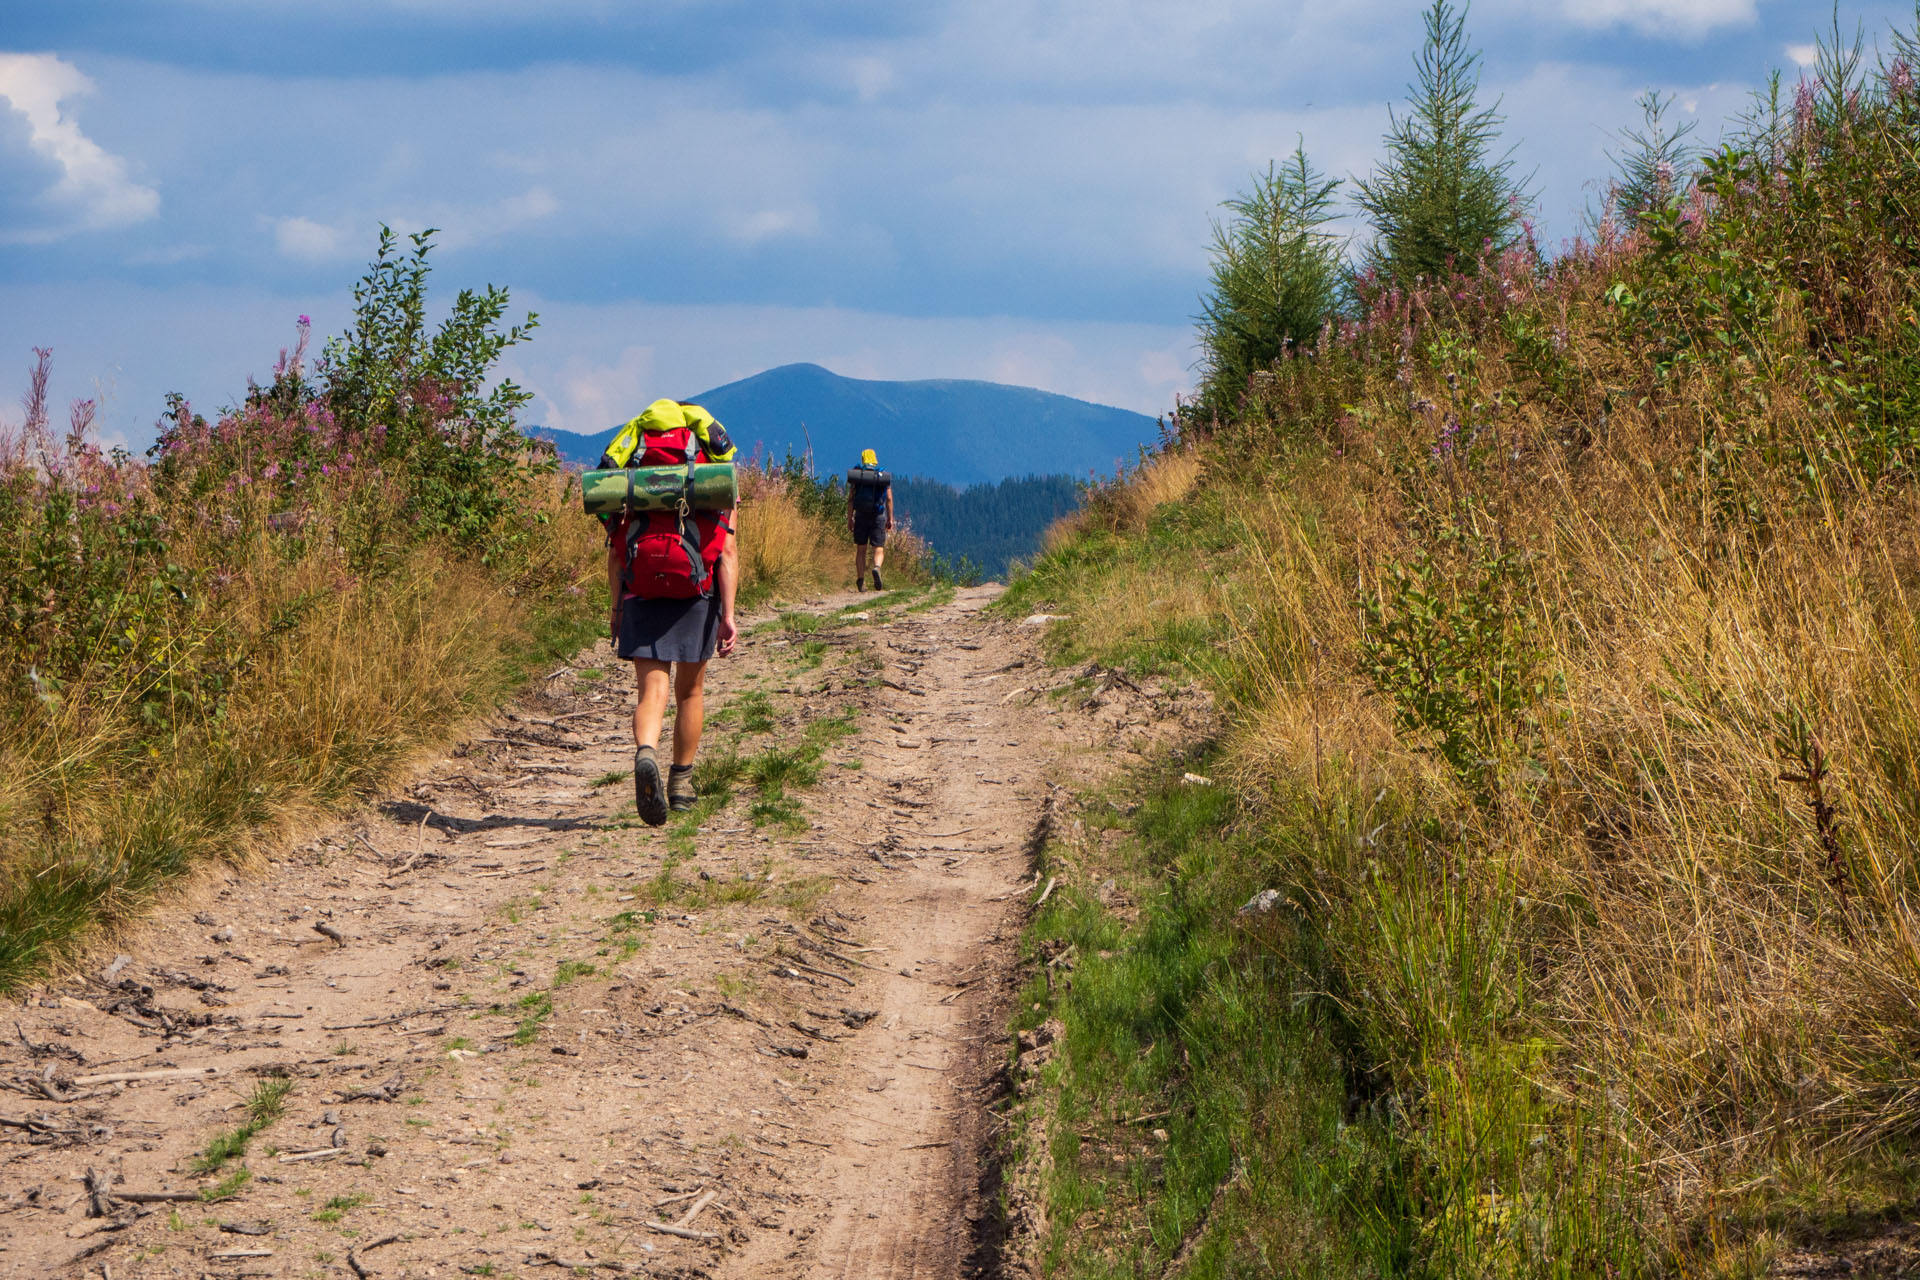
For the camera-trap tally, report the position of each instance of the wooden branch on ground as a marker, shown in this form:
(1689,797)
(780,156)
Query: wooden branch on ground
(120,1077)
(706,1198)
(387,1022)
(359,1269)
(807,968)
(685,1233)
(322,1154)
(157,1197)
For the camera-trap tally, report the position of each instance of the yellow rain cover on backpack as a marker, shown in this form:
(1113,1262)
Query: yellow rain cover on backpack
(661,417)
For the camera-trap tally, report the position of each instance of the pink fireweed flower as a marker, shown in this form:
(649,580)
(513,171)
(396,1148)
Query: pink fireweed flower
(1899,79)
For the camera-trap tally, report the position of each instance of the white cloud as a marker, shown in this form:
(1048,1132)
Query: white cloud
(529,206)
(872,77)
(586,396)
(1803,55)
(94,189)
(305,240)
(1687,18)
(773,224)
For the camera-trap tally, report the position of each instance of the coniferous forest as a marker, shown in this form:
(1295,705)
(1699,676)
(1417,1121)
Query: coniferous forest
(987,525)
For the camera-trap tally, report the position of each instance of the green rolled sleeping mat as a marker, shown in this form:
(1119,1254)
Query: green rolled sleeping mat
(716,487)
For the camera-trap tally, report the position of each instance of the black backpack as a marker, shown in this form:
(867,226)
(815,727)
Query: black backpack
(866,487)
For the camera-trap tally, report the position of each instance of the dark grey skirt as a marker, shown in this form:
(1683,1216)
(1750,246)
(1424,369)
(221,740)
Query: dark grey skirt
(669,630)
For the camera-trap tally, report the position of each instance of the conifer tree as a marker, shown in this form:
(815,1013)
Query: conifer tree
(1276,274)
(1440,200)
(1653,167)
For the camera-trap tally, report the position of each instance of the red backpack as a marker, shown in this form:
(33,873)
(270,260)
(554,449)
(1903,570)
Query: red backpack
(671,555)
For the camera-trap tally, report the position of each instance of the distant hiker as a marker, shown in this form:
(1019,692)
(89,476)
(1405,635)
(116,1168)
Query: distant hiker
(672,575)
(869,517)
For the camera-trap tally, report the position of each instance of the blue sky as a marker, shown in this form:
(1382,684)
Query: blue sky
(689,191)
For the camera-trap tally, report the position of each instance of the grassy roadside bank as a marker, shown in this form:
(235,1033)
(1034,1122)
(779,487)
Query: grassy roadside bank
(1187,1109)
(1561,617)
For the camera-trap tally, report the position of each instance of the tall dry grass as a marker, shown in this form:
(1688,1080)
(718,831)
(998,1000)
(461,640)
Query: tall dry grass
(1691,891)
(1636,961)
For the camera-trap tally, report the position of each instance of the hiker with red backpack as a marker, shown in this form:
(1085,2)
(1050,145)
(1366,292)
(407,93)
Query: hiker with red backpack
(672,574)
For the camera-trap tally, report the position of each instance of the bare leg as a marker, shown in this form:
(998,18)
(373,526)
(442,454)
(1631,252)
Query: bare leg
(860,562)
(653,679)
(690,714)
(879,558)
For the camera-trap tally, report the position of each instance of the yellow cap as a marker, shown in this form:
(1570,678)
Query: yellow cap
(867,458)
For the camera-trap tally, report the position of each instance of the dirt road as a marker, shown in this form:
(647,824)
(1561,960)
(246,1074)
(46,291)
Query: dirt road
(514,1028)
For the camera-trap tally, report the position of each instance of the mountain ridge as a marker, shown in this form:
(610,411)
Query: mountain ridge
(961,431)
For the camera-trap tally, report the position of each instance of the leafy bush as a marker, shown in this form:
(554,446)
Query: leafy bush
(1453,649)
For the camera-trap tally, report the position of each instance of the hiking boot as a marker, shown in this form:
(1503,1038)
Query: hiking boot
(860,583)
(680,792)
(649,792)
(877,584)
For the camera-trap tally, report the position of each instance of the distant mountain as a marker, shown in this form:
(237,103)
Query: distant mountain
(955,430)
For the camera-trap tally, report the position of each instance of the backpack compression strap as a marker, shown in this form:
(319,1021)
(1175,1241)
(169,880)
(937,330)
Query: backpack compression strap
(690,534)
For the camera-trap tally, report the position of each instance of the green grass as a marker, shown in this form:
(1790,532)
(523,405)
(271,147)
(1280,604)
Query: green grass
(1191,1022)
(714,777)
(339,1206)
(569,970)
(1288,1149)
(773,772)
(264,1105)
(830,729)
(612,778)
(755,710)
(228,1187)
(932,597)
(535,1008)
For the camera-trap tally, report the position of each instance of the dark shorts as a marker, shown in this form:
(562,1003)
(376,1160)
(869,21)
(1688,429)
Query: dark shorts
(869,529)
(669,630)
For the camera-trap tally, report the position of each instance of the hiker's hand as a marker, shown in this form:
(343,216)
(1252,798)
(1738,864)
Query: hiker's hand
(727,634)
(613,624)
